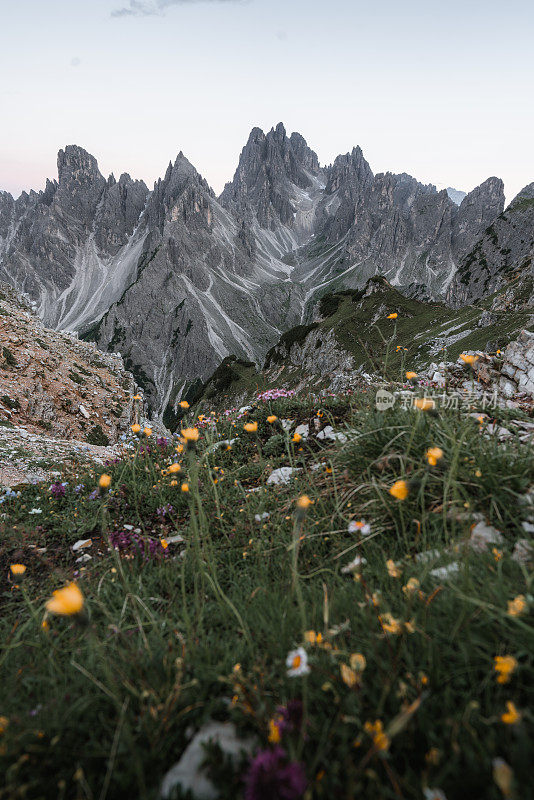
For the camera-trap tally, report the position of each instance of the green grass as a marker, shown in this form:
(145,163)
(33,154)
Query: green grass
(102,709)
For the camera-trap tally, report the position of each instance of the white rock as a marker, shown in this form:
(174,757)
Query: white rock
(442,573)
(81,544)
(329,433)
(427,555)
(174,539)
(83,411)
(484,535)
(188,773)
(83,558)
(282,475)
(262,517)
(523,551)
(303,430)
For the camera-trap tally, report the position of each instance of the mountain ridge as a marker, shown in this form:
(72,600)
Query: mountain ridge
(176,278)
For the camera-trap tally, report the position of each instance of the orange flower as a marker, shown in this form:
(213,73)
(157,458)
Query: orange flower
(469,359)
(190,434)
(184,404)
(147,431)
(304,502)
(17,570)
(517,606)
(376,730)
(511,716)
(250,427)
(175,468)
(66,602)
(135,428)
(433,455)
(399,490)
(504,666)
(104,481)
(424,404)
(348,676)
(392,316)
(185,487)
(272,418)
(411,376)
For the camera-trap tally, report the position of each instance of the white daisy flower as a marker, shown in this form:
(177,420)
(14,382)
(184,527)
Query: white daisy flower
(354,565)
(297,663)
(360,526)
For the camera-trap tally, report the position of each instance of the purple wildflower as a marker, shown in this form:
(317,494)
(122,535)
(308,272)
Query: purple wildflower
(290,717)
(57,489)
(94,495)
(134,544)
(161,441)
(79,488)
(271,776)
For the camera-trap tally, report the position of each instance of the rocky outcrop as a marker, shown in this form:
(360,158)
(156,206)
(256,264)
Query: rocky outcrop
(504,252)
(272,168)
(52,382)
(72,247)
(517,371)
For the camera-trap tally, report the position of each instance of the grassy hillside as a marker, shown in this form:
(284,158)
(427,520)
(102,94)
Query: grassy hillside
(377,659)
(358,320)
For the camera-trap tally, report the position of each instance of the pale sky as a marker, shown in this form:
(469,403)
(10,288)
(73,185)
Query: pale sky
(441,90)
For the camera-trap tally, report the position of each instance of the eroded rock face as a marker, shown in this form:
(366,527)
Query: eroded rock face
(517,371)
(504,252)
(176,279)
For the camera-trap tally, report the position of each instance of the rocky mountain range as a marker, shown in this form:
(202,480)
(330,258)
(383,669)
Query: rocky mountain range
(176,279)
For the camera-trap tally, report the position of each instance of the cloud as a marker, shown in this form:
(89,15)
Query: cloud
(75,62)
(142,8)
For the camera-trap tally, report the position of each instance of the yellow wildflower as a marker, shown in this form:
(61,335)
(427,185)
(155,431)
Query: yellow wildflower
(504,667)
(304,502)
(17,570)
(393,570)
(190,434)
(390,624)
(376,730)
(358,662)
(135,428)
(511,716)
(312,637)
(66,602)
(271,418)
(433,455)
(348,676)
(424,403)
(175,468)
(185,487)
(411,376)
(274,732)
(468,359)
(250,427)
(184,404)
(392,316)
(104,481)
(147,431)
(297,437)
(411,587)
(399,490)
(517,606)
